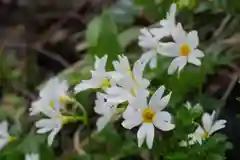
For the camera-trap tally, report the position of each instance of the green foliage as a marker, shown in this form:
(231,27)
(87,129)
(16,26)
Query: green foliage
(102,36)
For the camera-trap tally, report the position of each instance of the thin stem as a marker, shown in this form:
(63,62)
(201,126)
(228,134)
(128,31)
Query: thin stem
(85,120)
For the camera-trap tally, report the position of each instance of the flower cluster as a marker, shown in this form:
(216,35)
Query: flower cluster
(184,47)
(124,91)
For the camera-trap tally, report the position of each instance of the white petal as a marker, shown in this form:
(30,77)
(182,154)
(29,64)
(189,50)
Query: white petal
(197,53)
(52,135)
(43,130)
(173,10)
(207,122)
(194,60)
(156,97)
(129,124)
(153,62)
(150,134)
(199,131)
(141,134)
(188,105)
(148,56)
(102,122)
(163,121)
(169,49)
(192,39)
(138,69)
(3,143)
(129,111)
(159,33)
(100,63)
(4,129)
(178,34)
(217,126)
(177,63)
(51,112)
(140,101)
(86,84)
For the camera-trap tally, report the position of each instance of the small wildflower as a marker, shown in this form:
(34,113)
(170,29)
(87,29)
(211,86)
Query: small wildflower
(184,49)
(52,124)
(148,116)
(5,138)
(105,109)
(54,94)
(32,156)
(100,77)
(204,132)
(131,81)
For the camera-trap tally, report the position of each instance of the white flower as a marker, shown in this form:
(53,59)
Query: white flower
(105,109)
(184,49)
(100,78)
(196,108)
(150,45)
(53,94)
(130,83)
(52,124)
(148,116)
(168,24)
(209,127)
(5,138)
(32,156)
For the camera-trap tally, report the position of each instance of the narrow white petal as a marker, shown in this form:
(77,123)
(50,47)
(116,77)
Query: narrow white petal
(217,126)
(52,135)
(207,122)
(169,49)
(194,60)
(156,97)
(57,128)
(141,134)
(140,101)
(84,85)
(197,53)
(200,130)
(43,130)
(153,62)
(4,129)
(164,102)
(129,124)
(129,112)
(178,34)
(177,63)
(159,33)
(102,122)
(100,63)
(173,10)
(3,143)
(150,134)
(192,39)
(148,56)
(163,121)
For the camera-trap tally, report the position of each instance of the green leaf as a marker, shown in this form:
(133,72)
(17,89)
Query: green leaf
(128,36)
(93,31)
(104,39)
(31,143)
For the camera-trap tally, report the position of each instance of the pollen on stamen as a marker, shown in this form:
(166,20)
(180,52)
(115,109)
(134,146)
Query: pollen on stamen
(148,115)
(185,50)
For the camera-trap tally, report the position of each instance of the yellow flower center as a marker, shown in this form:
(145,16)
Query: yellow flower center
(64,99)
(105,84)
(205,135)
(148,115)
(185,50)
